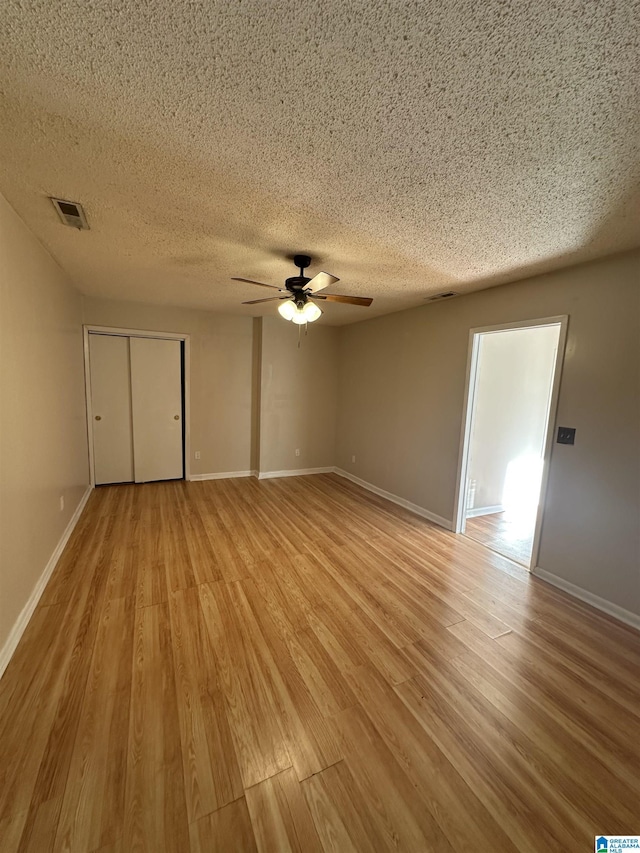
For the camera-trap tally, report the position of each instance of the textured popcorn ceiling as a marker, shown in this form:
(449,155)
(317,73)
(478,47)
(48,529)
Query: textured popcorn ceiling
(410,147)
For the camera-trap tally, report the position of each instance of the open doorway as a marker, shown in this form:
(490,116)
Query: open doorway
(513,380)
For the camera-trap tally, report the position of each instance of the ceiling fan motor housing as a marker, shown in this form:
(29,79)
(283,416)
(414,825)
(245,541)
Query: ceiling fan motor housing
(297,282)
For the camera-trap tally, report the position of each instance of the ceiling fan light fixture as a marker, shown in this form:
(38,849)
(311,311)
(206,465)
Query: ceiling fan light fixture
(299,314)
(287,309)
(311,312)
(300,289)
(299,317)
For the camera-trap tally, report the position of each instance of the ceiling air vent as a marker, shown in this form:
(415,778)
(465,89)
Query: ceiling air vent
(446,295)
(71,213)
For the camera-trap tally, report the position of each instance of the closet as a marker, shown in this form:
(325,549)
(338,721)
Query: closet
(137,409)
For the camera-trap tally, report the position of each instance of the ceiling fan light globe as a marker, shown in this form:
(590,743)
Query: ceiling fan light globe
(311,312)
(287,310)
(298,318)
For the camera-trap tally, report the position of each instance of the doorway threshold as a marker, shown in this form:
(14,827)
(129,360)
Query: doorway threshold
(499,534)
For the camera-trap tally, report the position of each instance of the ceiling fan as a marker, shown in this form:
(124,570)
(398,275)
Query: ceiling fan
(301,293)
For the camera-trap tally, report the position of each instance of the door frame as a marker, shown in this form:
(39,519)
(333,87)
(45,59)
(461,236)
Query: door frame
(467,417)
(88,329)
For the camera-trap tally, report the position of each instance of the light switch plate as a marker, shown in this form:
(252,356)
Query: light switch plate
(566,435)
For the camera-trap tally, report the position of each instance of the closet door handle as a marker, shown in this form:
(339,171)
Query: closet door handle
(176,417)
(98,417)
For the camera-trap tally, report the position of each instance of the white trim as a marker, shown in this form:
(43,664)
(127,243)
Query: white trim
(548,442)
(136,333)
(619,613)
(483,510)
(300,472)
(418,510)
(460,500)
(540,322)
(459,513)
(27,611)
(139,333)
(224,475)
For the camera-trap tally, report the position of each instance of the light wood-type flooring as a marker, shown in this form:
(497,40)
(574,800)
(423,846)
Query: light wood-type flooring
(298,665)
(512,539)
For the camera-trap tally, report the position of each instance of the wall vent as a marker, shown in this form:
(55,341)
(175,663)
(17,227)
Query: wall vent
(446,295)
(71,213)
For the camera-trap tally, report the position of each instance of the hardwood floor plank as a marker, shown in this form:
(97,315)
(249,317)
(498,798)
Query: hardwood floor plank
(467,823)
(612,803)
(285,608)
(211,772)
(251,707)
(364,590)
(228,829)
(440,642)
(499,748)
(621,760)
(311,741)
(202,556)
(513,539)
(11,829)
(280,816)
(325,682)
(93,806)
(122,564)
(192,660)
(47,749)
(354,640)
(155,811)
(229,560)
(22,681)
(584,682)
(40,826)
(402,817)
(341,815)
(147,556)
(516,817)
(79,552)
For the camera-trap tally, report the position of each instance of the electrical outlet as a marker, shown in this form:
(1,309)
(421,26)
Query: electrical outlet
(197,454)
(61,502)
(297,451)
(353,458)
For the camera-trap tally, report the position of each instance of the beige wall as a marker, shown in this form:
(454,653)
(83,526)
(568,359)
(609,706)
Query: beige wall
(298,396)
(513,387)
(400,409)
(392,386)
(43,445)
(222,364)
(255,396)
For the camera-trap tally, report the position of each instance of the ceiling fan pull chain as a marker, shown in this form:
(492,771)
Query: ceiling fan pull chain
(299,331)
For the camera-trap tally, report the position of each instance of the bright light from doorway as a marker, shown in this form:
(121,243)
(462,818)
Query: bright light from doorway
(521,493)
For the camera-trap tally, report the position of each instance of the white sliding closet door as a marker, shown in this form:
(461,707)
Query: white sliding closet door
(156,395)
(111,409)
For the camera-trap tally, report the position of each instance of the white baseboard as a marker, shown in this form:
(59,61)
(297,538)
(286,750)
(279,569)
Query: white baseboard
(224,475)
(300,472)
(619,613)
(27,611)
(430,516)
(262,475)
(483,510)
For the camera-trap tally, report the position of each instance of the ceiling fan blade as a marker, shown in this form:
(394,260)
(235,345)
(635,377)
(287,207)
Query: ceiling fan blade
(320,281)
(365,301)
(268,299)
(251,281)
